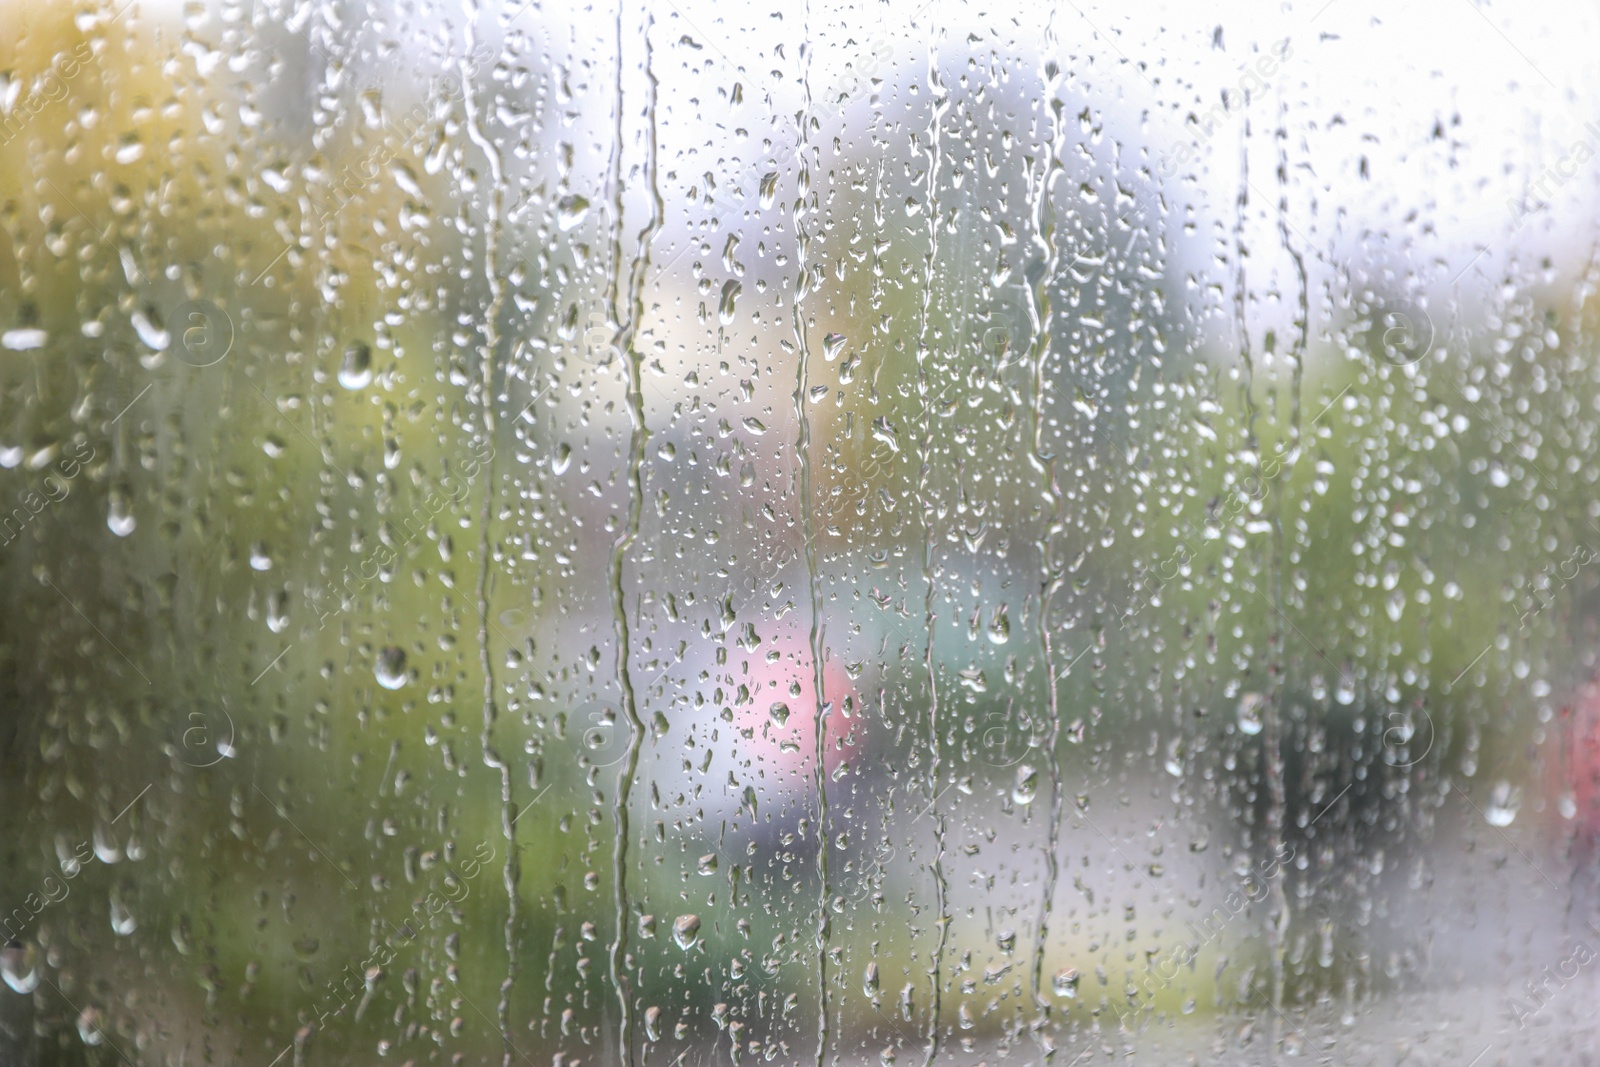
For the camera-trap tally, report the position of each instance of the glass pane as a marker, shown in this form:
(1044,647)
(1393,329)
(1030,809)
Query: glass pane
(678,534)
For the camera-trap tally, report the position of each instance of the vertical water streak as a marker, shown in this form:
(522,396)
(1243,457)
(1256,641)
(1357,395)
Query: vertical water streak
(808,530)
(634,363)
(1275,510)
(1041,312)
(1271,716)
(487,352)
(925,456)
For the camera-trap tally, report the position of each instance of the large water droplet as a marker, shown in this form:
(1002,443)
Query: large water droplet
(356,369)
(123,922)
(1027,784)
(730,296)
(19,966)
(999,627)
(1065,983)
(1250,713)
(278,611)
(120,518)
(1504,801)
(147,324)
(24,339)
(686,931)
(390,668)
(570,212)
(89,1026)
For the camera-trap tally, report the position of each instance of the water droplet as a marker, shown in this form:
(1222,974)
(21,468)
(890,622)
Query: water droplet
(122,921)
(260,558)
(19,965)
(120,518)
(999,627)
(883,431)
(570,212)
(89,1026)
(708,863)
(356,370)
(869,982)
(1065,983)
(147,324)
(779,712)
(686,931)
(1504,801)
(390,668)
(278,611)
(730,295)
(769,189)
(1027,784)
(1250,713)
(24,339)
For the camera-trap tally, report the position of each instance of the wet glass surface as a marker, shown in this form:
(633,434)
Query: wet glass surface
(687,534)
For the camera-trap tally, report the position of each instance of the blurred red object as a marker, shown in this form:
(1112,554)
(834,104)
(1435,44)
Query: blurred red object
(1577,766)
